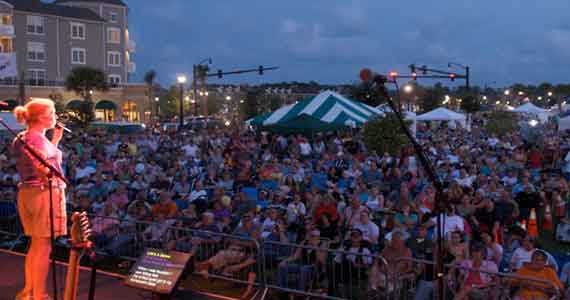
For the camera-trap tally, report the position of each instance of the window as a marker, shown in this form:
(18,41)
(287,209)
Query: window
(78,56)
(113,17)
(37,77)
(114,35)
(35,24)
(77,31)
(36,51)
(114,80)
(114,59)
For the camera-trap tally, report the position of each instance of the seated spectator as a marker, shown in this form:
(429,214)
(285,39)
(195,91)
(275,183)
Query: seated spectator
(329,230)
(473,284)
(119,197)
(192,241)
(493,250)
(304,261)
(524,253)
(350,266)
(165,207)
(105,225)
(457,247)
(235,259)
(396,260)
(98,189)
(370,231)
(406,220)
(537,268)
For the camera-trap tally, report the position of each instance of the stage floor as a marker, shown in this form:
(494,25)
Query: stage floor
(108,287)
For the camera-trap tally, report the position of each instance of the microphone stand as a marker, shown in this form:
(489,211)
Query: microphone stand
(379,81)
(53,172)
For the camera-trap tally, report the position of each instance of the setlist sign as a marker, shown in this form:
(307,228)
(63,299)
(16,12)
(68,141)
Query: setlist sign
(157,270)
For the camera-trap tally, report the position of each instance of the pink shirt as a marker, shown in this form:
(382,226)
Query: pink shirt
(28,166)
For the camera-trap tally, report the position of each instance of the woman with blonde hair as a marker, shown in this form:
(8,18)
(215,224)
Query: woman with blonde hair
(33,192)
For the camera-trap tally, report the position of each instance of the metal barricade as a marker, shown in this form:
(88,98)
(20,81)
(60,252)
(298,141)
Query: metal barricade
(321,272)
(11,230)
(420,283)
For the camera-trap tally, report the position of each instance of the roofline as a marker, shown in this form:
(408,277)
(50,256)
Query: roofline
(57,16)
(88,2)
(9,4)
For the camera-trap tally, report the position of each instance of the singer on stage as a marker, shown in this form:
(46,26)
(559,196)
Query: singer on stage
(33,192)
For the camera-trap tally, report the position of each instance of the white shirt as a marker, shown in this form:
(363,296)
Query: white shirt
(294,211)
(364,253)
(80,173)
(370,231)
(197,194)
(452,223)
(305,148)
(190,150)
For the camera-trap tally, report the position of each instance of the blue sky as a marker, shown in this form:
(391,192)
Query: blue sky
(329,41)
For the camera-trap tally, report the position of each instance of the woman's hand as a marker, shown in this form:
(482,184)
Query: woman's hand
(57,135)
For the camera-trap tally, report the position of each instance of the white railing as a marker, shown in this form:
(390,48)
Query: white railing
(7,30)
(132,67)
(131,46)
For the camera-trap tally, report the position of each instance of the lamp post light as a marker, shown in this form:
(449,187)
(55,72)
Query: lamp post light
(181,81)
(228,98)
(156,99)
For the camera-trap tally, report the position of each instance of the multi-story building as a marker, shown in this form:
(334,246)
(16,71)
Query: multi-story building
(41,42)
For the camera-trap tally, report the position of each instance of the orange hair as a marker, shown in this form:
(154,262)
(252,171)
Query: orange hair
(30,112)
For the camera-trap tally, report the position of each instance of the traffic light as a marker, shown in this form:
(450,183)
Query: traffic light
(393,75)
(424,69)
(414,75)
(260,70)
(413,68)
(220,73)
(452,77)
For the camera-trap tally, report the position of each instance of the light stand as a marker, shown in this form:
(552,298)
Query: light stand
(53,172)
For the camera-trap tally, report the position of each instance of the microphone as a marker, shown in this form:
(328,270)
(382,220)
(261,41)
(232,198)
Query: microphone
(60,125)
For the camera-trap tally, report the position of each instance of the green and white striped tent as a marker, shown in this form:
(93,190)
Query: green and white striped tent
(324,112)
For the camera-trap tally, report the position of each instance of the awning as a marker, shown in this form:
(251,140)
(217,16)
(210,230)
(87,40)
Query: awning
(106,105)
(11,104)
(74,104)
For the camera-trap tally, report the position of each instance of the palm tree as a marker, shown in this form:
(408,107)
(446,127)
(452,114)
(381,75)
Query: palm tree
(84,81)
(149,78)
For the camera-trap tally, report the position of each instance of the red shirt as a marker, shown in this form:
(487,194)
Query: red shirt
(535,159)
(330,209)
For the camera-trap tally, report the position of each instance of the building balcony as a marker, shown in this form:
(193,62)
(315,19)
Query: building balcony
(131,67)
(7,30)
(131,46)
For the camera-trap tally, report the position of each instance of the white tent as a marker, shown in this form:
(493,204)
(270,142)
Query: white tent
(443,114)
(564,124)
(408,115)
(529,108)
(10,120)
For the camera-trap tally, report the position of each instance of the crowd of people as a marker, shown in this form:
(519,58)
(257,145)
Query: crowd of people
(324,192)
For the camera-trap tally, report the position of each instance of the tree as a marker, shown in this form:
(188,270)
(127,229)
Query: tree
(385,134)
(149,78)
(433,97)
(470,104)
(363,92)
(500,123)
(84,81)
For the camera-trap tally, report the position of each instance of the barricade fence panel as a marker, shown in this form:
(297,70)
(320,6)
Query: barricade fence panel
(312,269)
(419,284)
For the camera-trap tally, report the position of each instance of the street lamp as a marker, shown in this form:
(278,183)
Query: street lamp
(521,93)
(507,92)
(181,81)
(156,99)
(408,88)
(228,98)
(549,94)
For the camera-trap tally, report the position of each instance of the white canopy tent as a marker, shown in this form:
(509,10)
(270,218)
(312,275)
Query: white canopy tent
(443,114)
(564,124)
(529,108)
